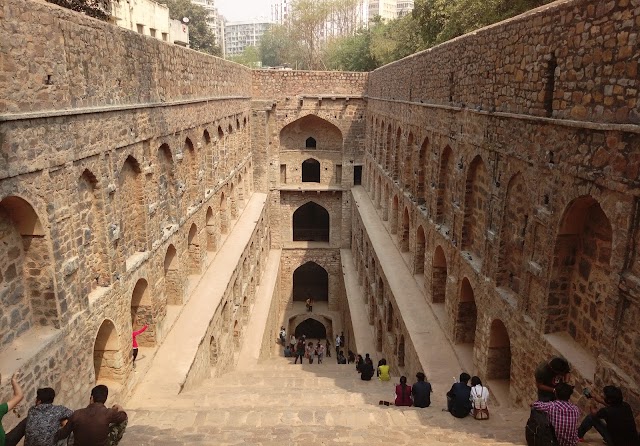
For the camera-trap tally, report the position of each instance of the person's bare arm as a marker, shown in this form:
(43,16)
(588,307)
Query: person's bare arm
(17,392)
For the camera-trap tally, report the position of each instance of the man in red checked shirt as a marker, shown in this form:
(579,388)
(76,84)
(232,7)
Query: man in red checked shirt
(563,415)
(134,335)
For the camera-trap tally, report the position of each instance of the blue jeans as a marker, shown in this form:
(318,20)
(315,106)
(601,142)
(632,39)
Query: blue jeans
(591,421)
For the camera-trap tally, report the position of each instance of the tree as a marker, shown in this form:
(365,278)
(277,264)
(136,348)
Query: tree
(442,20)
(201,37)
(352,53)
(250,57)
(278,48)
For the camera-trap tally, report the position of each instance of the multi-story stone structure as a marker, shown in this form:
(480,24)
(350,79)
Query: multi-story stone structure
(503,165)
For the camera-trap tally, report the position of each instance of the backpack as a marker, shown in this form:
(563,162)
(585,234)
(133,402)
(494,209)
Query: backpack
(539,431)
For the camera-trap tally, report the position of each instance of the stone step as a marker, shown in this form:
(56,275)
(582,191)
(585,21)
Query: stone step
(292,425)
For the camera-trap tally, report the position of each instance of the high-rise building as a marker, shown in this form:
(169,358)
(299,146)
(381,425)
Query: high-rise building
(405,7)
(214,19)
(386,9)
(239,35)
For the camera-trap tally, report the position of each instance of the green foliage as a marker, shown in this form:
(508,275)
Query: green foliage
(99,9)
(442,20)
(201,37)
(352,53)
(250,57)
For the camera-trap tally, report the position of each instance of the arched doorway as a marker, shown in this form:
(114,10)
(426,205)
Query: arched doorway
(224,216)
(466,315)
(401,352)
(311,171)
(310,280)
(311,223)
(312,329)
(394,215)
(107,357)
(475,208)
(142,312)
(211,231)
(499,356)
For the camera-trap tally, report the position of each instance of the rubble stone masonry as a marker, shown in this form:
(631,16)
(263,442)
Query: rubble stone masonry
(505,164)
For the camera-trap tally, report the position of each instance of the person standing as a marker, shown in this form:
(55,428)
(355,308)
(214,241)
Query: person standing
(421,391)
(134,335)
(299,351)
(328,348)
(320,350)
(11,404)
(338,345)
(96,425)
(549,375)
(283,336)
(292,343)
(563,415)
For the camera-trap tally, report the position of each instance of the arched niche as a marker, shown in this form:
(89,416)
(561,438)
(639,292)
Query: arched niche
(438,276)
(193,248)
(27,288)
(133,236)
(580,273)
(499,355)
(475,209)
(420,250)
(307,320)
(172,279)
(444,197)
(466,316)
(108,361)
(312,329)
(404,235)
(311,223)
(142,312)
(294,136)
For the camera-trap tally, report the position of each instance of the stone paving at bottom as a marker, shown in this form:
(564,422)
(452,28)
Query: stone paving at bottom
(278,403)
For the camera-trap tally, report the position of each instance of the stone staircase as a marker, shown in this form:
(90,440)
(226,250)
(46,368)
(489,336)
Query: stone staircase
(276,402)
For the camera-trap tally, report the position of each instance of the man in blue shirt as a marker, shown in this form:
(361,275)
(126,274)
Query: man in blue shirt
(458,401)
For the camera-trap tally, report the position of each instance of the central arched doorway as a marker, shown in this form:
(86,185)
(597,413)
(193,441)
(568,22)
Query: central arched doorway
(311,171)
(310,280)
(311,223)
(312,329)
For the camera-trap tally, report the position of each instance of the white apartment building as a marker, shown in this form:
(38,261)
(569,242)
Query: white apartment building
(151,19)
(386,9)
(405,7)
(239,35)
(214,19)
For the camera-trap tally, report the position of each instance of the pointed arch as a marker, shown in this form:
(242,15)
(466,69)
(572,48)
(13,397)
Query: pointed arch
(297,134)
(406,230)
(193,248)
(407,175)
(419,256)
(394,215)
(422,171)
(172,278)
(311,328)
(108,360)
(311,171)
(512,235)
(311,223)
(210,222)
(133,236)
(396,155)
(167,188)
(388,148)
(92,238)
(466,315)
(499,355)
(580,273)
(142,312)
(444,200)
(310,280)
(26,271)
(475,209)
(224,214)
(438,276)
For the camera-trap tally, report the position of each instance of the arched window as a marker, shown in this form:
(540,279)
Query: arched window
(311,171)
(310,143)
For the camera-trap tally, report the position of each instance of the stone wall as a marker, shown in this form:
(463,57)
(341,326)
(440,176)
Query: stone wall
(527,216)
(573,59)
(272,84)
(72,65)
(117,181)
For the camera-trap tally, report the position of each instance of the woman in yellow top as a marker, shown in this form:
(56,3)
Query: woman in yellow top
(383,371)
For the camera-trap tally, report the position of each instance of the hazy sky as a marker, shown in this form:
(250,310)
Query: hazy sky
(237,10)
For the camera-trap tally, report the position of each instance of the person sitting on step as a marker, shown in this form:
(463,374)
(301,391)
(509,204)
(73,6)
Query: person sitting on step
(458,397)
(403,393)
(479,397)
(421,391)
(383,371)
(366,371)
